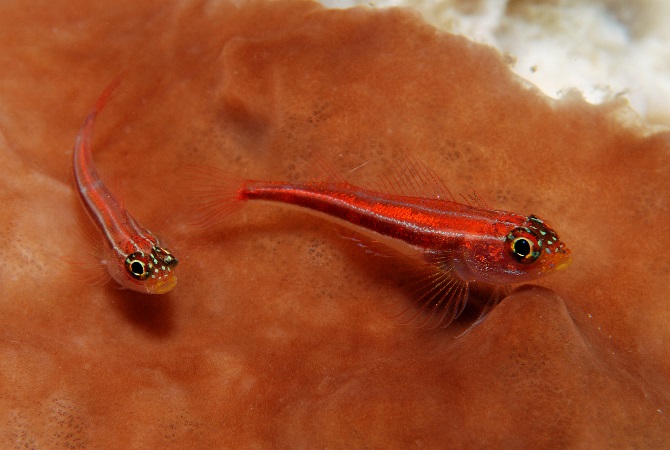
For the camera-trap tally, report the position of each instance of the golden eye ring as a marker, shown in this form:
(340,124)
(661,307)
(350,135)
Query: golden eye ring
(136,267)
(523,245)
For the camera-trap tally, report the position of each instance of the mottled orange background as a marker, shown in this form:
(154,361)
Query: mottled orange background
(278,333)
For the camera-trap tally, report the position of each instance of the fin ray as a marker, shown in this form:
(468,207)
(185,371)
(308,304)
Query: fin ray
(215,194)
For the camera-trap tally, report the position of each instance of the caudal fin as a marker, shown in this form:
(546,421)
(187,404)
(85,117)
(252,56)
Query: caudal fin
(215,194)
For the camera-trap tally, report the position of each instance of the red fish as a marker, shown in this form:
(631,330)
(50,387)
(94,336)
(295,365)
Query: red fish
(460,243)
(134,257)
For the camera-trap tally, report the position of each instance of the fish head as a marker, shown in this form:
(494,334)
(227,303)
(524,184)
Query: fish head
(517,254)
(150,271)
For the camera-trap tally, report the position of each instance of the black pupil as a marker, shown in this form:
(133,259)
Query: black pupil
(522,247)
(137,268)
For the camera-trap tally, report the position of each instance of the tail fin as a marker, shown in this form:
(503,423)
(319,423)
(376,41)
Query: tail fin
(82,147)
(215,194)
(105,96)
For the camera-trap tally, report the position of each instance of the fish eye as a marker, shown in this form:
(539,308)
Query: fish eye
(136,267)
(523,245)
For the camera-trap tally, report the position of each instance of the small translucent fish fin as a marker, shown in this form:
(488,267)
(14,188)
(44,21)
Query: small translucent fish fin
(411,177)
(82,151)
(432,179)
(438,295)
(107,94)
(89,265)
(325,170)
(89,269)
(368,245)
(87,129)
(475,199)
(358,167)
(82,148)
(215,194)
(96,244)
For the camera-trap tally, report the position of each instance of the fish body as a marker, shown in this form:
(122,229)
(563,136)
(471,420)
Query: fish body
(484,245)
(460,243)
(135,258)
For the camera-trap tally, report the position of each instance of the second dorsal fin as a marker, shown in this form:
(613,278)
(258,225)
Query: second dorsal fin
(411,177)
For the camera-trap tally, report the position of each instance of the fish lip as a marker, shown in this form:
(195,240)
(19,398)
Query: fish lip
(161,287)
(565,262)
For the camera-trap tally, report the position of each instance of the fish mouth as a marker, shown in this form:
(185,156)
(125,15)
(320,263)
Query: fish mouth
(564,262)
(163,286)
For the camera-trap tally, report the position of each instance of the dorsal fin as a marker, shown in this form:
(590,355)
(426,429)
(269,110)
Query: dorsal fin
(475,199)
(325,170)
(479,201)
(411,177)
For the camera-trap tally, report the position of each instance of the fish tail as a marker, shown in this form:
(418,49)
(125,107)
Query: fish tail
(215,194)
(106,95)
(83,144)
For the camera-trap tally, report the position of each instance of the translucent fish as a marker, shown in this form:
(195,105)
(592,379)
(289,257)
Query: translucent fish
(133,256)
(460,243)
